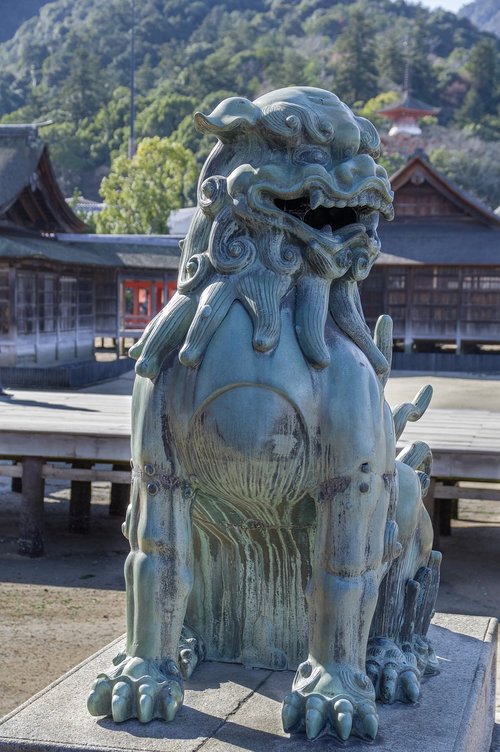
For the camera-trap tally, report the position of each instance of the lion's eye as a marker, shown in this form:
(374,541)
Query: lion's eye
(311,155)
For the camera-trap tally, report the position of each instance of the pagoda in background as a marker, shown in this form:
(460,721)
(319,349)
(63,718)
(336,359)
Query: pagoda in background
(406,114)
(405,135)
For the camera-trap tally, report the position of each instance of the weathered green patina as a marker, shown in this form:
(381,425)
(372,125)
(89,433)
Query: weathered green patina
(268,511)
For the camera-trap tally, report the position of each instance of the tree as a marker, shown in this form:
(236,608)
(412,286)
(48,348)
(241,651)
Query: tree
(473,168)
(82,92)
(482,99)
(391,59)
(355,73)
(141,192)
(164,114)
(373,105)
(422,78)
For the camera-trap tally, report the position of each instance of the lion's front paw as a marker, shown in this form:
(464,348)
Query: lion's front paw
(395,672)
(137,688)
(337,700)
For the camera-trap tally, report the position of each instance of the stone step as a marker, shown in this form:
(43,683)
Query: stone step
(229,708)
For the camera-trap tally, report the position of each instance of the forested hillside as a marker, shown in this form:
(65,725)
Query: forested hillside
(483,13)
(71,64)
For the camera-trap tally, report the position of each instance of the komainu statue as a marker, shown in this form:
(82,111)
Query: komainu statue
(270,522)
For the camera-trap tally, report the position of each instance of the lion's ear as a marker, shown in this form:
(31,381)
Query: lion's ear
(369,138)
(229,117)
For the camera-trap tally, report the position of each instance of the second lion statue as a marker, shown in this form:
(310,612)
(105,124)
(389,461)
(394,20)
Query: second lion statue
(270,522)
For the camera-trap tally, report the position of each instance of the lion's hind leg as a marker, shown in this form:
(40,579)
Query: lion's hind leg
(399,652)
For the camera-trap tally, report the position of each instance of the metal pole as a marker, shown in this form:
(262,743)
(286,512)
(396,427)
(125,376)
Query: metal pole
(407,76)
(131,142)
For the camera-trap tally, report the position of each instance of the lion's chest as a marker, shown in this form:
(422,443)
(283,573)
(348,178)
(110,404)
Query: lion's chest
(249,442)
(262,427)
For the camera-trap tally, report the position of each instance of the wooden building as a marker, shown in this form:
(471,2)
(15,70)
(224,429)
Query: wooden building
(439,274)
(60,288)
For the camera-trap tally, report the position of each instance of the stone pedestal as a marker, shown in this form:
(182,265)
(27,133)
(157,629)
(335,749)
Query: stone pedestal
(229,708)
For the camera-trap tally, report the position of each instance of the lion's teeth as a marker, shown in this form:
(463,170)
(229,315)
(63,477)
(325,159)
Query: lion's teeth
(328,202)
(353,201)
(327,229)
(340,204)
(316,198)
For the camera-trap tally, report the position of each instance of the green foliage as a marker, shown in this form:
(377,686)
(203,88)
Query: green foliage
(89,217)
(141,192)
(483,97)
(373,105)
(164,114)
(473,169)
(355,73)
(71,64)
(392,162)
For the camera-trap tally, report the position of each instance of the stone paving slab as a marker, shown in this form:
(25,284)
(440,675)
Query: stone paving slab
(229,708)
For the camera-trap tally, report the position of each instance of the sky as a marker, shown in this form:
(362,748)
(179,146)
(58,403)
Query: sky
(452,5)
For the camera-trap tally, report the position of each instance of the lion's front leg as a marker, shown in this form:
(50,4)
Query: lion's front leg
(145,682)
(331,690)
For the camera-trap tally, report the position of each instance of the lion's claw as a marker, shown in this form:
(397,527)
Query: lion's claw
(388,684)
(291,712)
(367,721)
(145,709)
(121,702)
(410,685)
(338,716)
(100,697)
(316,711)
(394,672)
(343,712)
(137,688)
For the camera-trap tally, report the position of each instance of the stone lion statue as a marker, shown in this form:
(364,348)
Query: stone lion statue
(270,522)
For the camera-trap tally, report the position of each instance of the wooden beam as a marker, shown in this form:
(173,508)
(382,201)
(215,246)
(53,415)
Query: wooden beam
(70,474)
(80,474)
(459,492)
(11,471)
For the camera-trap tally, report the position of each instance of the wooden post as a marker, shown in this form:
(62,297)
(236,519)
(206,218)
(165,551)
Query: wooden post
(445,511)
(409,286)
(79,505)
(460,312)
(31,515)
(120,493)
(17,483)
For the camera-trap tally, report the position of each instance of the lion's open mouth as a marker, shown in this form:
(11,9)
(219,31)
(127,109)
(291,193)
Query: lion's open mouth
(326,219)
(325,215)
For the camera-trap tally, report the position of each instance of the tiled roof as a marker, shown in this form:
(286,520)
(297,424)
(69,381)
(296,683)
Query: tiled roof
(453,242)
(133,251)
(29,194)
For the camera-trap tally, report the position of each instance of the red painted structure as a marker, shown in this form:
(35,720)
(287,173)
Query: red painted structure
(142,300)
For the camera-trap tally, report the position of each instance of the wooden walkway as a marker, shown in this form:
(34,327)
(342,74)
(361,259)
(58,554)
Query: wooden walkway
(40,428)
(68,425)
